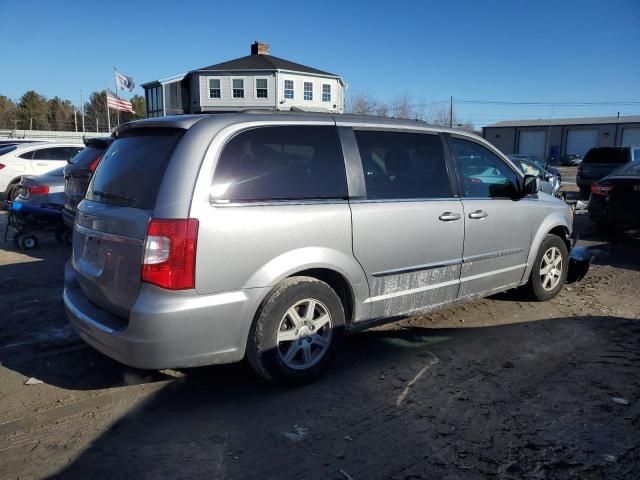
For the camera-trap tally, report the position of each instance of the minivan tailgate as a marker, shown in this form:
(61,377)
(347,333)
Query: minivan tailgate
(108,246)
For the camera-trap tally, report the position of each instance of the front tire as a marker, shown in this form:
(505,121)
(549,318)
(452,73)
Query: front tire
(549,270)
(296,332)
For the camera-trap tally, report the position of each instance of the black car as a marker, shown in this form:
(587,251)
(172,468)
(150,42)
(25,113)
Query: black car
(600,162)
(78,173)
(615,200)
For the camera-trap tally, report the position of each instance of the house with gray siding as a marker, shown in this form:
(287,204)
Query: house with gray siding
(550,139)
(258,80)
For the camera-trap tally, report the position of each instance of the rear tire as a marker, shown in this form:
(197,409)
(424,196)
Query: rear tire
(548,273)
(13,192)
(296,332)
(28,242)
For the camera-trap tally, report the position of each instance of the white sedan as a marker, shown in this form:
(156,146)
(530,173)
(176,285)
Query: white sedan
(31,159)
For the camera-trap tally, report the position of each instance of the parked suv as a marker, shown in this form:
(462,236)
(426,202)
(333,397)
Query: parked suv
(78,173)
(600,162)
(205,239)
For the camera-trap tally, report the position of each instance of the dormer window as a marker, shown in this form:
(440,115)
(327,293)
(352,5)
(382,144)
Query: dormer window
(326,92)
(261,88)
(238,88)
(308,91)
(214,88)
(288,89)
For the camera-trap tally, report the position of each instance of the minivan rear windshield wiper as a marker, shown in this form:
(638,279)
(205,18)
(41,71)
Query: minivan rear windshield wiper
(113,196)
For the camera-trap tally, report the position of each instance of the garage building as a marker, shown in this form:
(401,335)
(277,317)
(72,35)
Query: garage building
(552,138)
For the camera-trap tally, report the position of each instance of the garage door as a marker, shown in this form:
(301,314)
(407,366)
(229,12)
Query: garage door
(631,137)
(532,142)
(580,141)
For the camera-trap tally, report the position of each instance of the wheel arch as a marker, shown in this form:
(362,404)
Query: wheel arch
(554,224)
(338,283)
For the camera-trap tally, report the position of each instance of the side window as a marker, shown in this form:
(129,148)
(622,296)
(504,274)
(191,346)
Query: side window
(484,174)
(401,165)
(43,154)
(281,163)
(62,153)
(27,155)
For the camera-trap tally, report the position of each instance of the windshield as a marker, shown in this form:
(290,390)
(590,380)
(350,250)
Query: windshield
(132,168)
(86,156)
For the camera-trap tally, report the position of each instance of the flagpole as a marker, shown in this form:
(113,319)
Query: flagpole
(106,97)
(115,83)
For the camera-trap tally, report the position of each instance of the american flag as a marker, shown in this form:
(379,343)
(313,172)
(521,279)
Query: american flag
(118,103)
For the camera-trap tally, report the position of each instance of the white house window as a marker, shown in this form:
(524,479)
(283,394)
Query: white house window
(288,89)
(238,88)
(326,92)
(308,91)
(214,88)
(261,88)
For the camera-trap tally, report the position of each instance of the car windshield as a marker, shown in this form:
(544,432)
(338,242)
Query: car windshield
(86,156)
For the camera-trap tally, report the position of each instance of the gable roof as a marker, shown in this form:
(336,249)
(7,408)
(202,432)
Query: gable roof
(566,121)
(263,62)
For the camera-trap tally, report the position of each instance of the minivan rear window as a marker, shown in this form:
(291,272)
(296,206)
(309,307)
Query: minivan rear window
(281,163)
(607,155)
(131,170)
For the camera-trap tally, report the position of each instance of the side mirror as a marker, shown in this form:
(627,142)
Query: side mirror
(530,185)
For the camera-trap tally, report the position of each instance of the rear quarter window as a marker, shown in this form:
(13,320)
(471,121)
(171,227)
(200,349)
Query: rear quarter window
(131,170)
(281,163)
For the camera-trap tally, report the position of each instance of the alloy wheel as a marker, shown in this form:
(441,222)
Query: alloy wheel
(551,268)
(304,334)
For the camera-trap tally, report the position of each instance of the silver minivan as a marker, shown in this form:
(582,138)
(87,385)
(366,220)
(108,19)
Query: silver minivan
(208,239)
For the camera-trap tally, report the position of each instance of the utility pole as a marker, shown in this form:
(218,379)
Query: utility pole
(450,112)
(31,123)
(82,111)
(97,123)
(75,118)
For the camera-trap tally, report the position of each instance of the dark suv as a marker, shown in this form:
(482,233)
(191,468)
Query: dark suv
(600,162)
(78,173)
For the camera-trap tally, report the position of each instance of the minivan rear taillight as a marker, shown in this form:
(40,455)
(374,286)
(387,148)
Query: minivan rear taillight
(170,253)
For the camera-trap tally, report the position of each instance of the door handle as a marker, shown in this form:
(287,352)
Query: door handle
(449,216)
(478,214)
(40,164)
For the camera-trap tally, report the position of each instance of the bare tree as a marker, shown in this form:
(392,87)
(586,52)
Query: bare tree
(402,106)
(362,104)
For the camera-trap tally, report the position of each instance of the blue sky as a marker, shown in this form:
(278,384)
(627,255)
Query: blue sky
(522,51)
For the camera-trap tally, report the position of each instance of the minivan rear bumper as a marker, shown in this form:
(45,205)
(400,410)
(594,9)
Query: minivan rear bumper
(166,329)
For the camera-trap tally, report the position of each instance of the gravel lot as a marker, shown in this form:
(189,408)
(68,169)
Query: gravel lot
(498,388)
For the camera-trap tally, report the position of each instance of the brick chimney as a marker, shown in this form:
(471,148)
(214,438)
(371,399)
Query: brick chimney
(258,48)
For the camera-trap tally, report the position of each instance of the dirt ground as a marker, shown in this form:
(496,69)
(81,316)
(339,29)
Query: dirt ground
(498,388)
